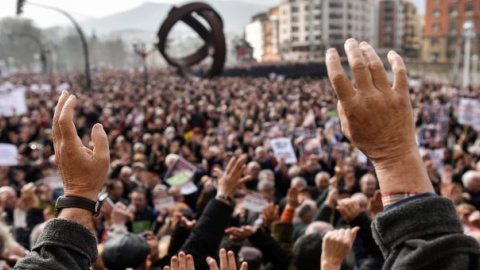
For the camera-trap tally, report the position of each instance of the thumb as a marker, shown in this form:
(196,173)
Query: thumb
(354,232)
(100,142)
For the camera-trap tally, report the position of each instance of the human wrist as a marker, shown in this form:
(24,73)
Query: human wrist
(78,215)
(328,265)
(93,196)
(405,173)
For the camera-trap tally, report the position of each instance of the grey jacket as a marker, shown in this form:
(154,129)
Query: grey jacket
(424,233)
(63,245)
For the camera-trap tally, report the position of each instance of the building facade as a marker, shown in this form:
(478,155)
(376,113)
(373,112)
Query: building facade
(443,31)
(308,28)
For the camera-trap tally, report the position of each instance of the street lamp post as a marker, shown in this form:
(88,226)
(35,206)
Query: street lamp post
(141,50)
(469,34)
(88,82)
(474,69)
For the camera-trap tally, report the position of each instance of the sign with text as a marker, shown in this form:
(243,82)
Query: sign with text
(13,102)
(254,202)
(466,111)
(180,173)
(8,154)
(164,203)
(282,147)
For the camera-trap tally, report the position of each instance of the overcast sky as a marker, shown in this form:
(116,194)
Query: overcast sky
(85,9)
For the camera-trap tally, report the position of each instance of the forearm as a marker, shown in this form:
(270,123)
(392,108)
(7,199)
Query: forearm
(403,174)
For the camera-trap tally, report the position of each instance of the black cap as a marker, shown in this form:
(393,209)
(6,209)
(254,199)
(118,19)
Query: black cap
(125,251)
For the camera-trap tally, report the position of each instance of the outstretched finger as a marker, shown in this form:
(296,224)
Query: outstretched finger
(223,259)
(58,110)
(354,232)
(100,142)
(182,263)
(231,164)
(190,263)
(376,67)
(174,263)
(244,266)
(358,65)
(65,121)
(212,264)
(400,79)
(232,264)
(340,82)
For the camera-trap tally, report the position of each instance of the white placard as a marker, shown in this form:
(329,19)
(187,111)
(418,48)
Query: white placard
(54,182)
(466,111)
(164,203)
(8,154)
(13,102)
(188,188)
(254,202)
(476,119)
(282,147)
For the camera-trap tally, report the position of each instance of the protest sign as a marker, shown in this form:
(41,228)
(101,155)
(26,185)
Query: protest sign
(180,173)
(8,154)
(466,111)
(254,202)
(167,202)
(13,102)
(310,146)
(282,147)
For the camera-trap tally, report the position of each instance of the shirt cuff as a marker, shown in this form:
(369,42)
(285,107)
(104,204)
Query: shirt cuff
(392,200)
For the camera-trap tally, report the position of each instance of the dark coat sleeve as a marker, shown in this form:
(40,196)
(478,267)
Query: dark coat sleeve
(365,233)
(207,234)
(271,250)
(424,233)
(56,250)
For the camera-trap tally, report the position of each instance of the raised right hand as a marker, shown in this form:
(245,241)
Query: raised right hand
(82,170)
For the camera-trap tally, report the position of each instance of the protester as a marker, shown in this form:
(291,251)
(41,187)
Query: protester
(174,159)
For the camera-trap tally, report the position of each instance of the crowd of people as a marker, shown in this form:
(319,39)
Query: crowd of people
(170,144)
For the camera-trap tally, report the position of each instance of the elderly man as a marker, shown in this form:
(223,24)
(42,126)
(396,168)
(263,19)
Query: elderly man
(368,185)
(471,183)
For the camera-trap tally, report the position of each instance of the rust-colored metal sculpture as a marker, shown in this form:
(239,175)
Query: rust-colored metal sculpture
(214,39)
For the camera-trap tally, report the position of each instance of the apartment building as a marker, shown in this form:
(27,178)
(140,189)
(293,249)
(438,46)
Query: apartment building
(443,32)
(308,28)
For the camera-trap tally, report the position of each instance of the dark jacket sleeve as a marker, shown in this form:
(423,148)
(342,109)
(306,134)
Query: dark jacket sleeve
(424,234)
(56,250)
(271,250)
(365,233)
(207,234)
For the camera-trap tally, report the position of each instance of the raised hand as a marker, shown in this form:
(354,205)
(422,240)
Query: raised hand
(182,262)
(336,245)
(232,179)
(269,214)
(292,198)
(375,204)
(227,262)
(377,117)
(349,209)
(83,171)
(242,233)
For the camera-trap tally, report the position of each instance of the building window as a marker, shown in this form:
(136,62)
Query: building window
(435,27)
(452,27)
(318,17)
(335,27)
(452,42)
(388,28)
(434,42)
(436,13)
(453,10)
(294,19)
(293,1)
(434,56)
(294,29)
(388,18)
(437,1)
(388,10)
(294,39)
(319,37)
(307,7)
(295,9)
(335,16)
(387,38)
(335,5)
(307,28)
(469,8)
(318,6)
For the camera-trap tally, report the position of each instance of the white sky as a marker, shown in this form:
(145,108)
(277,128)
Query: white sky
(79,9)
(85,9)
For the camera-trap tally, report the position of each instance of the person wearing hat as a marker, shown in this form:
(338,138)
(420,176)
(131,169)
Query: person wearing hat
(126,251)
